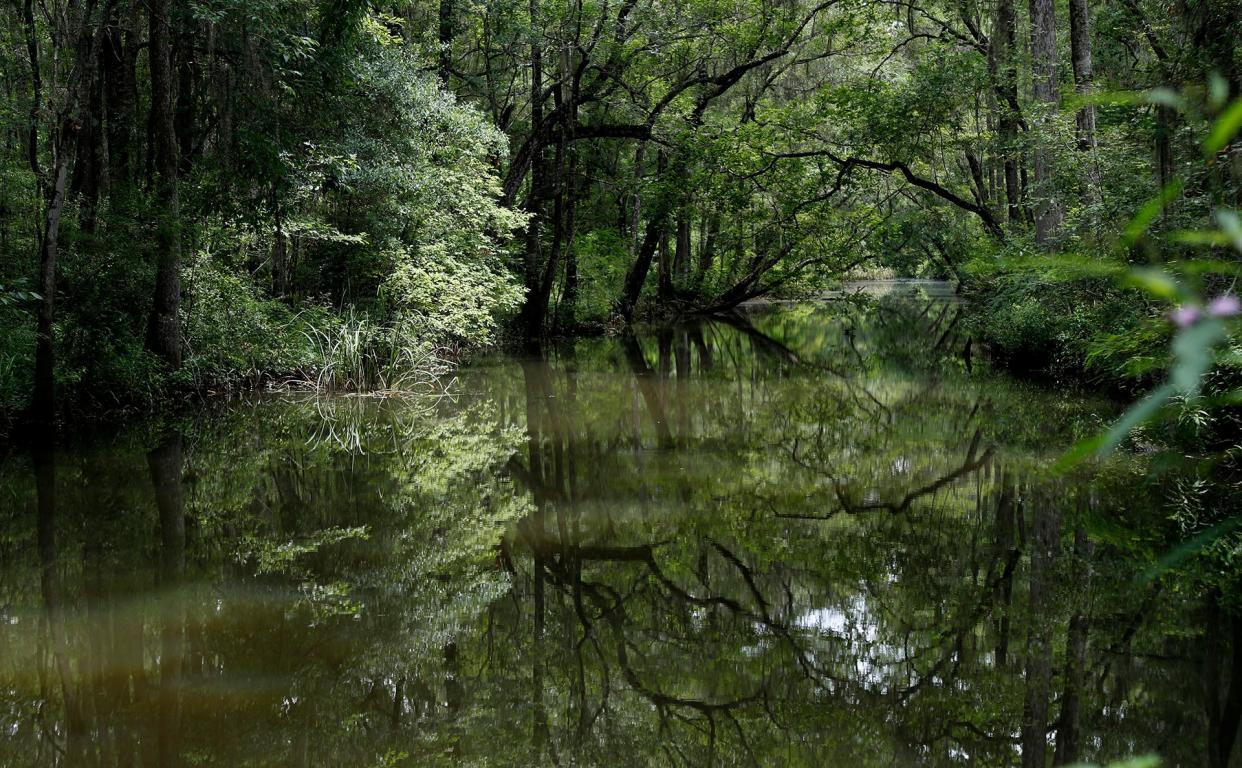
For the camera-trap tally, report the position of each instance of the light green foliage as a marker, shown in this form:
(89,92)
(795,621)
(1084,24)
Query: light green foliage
(432,212)
(236,336)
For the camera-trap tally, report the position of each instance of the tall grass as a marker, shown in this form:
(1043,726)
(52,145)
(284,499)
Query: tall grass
(360,355)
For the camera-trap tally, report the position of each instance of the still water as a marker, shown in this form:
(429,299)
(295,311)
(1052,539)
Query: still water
(804,535)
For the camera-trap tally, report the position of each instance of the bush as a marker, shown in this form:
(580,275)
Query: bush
(17,350)
(1045,321)
(234,336)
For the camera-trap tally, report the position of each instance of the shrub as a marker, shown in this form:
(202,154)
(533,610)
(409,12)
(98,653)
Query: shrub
(235,336)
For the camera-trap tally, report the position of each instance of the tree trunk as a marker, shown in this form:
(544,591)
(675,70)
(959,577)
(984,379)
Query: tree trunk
(1166,123)
(445,59)
(43,400)
(636,277)
(1045,89)
(1069,725)
(89,167)
(636,210)
(43,405)
(1003,51)
(664,290)
(567,311)
(185,117)
(119,62)
(281,277)
(531,314)
(681,257)
(1080,46)
(164,328)
(707,250)
(665,284)
(1044,539)
(165,464)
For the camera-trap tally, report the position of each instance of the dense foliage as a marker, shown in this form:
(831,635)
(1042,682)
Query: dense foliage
(213,184)
(207,195)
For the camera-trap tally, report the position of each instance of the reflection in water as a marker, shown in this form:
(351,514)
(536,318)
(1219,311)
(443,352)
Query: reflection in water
(800,536)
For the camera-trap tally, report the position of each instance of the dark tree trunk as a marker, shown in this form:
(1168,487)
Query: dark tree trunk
(445,59)
(1166,124)
(637,275)
(165,464)
(119,61)
(164,328)
(44,456)
(54,190)
(1045,536)
(281,267)
(978,180)
(1046,91)
(567,311)
(532,313)
(1003,51)
(664,289)
(707,251)
(185,117)
(636,209)
(1080,46)
(43,405)
(1069,725)
(681,257)
(89,167)
(1222,715)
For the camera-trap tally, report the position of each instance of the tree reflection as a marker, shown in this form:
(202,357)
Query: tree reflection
(780,538)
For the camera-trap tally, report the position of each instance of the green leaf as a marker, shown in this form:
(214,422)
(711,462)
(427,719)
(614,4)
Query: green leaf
(1148,213)
(1137,414)
(1224,129)
(1232,226)
(1164,97)
(1191,547)
(1193,350)
(1078,453)
(1205,237)
(1157,283)
(1218,90)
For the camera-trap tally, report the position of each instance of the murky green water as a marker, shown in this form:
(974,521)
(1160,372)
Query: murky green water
(808,536)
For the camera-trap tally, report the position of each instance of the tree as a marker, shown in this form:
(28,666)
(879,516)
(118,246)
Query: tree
(164,326)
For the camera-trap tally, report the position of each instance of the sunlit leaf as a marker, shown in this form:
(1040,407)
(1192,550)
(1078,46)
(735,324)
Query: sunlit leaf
(1157,283)
(1205,237)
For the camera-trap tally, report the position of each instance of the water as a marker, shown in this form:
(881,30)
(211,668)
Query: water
(812,534)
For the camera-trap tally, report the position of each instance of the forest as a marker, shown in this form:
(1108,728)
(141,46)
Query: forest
(620,382)
(202,196)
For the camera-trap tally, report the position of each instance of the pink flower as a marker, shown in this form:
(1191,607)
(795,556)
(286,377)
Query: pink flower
(1185,316)
(1225,305)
